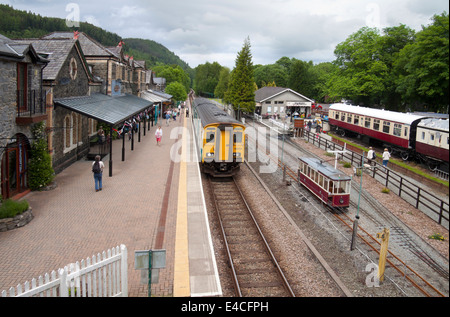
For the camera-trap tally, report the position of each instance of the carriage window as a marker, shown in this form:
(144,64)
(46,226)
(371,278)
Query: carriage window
(376,124)
(343,117)
(432,136)
(406,131)
(356,121)
(386,127)
(349,118)
(423,135)
(367,123)
(321,180)
(397,129)
(336,116)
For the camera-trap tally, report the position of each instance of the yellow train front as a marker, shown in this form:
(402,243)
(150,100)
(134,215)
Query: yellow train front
(219,137)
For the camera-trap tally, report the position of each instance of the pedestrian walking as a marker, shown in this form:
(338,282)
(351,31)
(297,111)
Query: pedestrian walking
(371,155)
(167,118)
(97,169)
(158,135)
(386,157)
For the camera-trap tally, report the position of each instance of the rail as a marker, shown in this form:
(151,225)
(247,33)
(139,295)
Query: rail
(414,195)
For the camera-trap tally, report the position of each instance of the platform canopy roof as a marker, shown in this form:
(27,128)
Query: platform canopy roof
(104,108)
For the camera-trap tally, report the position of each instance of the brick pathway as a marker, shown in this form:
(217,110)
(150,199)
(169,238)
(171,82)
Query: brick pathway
(73,222)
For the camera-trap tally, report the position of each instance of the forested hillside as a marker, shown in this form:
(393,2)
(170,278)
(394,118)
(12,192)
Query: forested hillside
(21,24)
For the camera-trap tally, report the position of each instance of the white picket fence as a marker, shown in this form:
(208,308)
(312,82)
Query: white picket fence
(104,275)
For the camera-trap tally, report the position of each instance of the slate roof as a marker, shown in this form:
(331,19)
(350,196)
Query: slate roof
(265,93)
(56,50)
(104,108)
(16,50)
(89,46)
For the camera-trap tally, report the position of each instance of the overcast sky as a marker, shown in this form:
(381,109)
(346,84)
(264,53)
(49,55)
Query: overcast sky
(201,31)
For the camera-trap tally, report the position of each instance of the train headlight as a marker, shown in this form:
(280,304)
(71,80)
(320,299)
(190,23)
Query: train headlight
(237,154)
(210,154)
(341,200)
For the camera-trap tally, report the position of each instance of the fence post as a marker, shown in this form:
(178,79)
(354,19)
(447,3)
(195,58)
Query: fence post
(418,198)
(124,270)
(441,212)
(63,287)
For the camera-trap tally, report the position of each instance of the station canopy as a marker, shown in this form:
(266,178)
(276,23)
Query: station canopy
(104,108)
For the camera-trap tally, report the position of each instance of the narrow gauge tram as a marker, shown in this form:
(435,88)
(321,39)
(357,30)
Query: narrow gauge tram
(330,185)
(220,139)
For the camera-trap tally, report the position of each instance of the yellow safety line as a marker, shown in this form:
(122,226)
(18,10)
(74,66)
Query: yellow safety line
(181,284)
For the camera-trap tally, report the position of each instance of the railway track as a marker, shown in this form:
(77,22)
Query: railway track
(372,244)
(254,269)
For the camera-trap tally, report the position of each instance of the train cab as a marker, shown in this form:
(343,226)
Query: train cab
(330,185)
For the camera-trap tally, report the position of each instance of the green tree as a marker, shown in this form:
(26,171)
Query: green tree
(425,66)
(241,91)
(222,85)
(269,74)
(301,78)
(177,90)
(206,78)
(389,46)
(361,72)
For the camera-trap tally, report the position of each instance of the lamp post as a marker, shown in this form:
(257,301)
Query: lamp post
(355,223)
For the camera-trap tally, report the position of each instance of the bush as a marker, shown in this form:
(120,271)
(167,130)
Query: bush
(11,208)
(40,169)
(347,165)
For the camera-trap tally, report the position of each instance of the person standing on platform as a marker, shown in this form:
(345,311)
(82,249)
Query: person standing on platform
(158,135)
(386,157)
(371,155)
(97,169)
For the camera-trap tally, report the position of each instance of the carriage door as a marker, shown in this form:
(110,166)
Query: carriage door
(226,144)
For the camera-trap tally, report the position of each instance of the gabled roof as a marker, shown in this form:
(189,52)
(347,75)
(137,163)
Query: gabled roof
(56,50)
(89,46)
(266,93)
(17,51)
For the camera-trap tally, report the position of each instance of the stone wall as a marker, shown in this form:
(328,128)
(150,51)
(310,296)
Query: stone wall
(16,222)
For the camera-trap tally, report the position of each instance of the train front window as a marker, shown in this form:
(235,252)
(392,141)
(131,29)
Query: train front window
(237,137)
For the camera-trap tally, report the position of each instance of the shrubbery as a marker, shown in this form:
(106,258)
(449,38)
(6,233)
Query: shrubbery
(10,208)
(40,171)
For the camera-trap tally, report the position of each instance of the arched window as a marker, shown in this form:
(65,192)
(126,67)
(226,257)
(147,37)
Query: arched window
(74,128)
(68,132)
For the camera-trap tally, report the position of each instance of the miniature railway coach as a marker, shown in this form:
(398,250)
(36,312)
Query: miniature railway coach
(330,185)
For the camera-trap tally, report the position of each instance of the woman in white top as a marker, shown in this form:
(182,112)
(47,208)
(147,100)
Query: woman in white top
(386,157)
(158,135)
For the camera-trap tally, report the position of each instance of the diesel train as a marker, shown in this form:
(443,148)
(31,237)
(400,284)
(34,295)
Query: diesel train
(408,135)
(220,139)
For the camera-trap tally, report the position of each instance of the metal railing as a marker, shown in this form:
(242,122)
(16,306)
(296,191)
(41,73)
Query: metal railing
(30,103)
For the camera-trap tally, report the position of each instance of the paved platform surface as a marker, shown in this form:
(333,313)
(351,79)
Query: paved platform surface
(150,202)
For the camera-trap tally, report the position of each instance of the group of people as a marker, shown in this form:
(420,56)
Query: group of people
(372,156)
(171,114)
